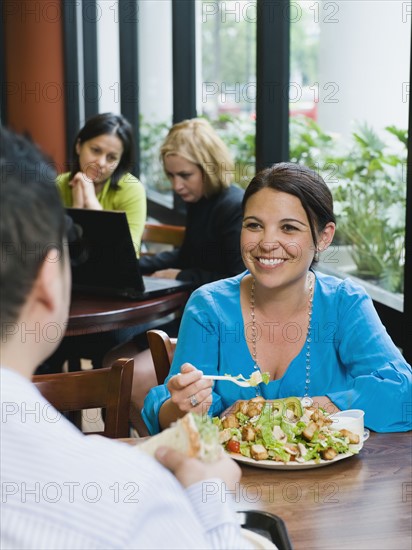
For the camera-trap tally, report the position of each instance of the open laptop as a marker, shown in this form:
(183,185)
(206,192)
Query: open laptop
(104,259)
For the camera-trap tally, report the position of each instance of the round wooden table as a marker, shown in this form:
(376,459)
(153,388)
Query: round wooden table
(90,314)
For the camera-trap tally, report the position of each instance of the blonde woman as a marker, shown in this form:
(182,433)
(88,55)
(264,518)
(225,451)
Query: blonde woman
(200,169)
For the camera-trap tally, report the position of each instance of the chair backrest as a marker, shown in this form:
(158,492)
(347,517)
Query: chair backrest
(162,349)
(108,388)
(163,234)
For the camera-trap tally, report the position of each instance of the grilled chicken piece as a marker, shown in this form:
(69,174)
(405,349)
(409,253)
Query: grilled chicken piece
(230,421)
(302,449)
(292,449)
(258,452)
(279,434)
(315,415)
(254,409)
(241,406)
(309,411)
(225,435)
(320,418)
(353,438)
(327,421)
(328,454)
(289,414)
(248,433)
(309,431)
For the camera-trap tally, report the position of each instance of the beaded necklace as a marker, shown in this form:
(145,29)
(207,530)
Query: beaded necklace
(308,335)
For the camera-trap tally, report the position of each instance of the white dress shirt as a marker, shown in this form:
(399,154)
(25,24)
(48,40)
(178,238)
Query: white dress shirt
(61,489)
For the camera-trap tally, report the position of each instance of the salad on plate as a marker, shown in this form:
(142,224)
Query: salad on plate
(284,431)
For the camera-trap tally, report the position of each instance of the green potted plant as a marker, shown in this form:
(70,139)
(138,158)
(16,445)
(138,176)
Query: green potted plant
(371,201)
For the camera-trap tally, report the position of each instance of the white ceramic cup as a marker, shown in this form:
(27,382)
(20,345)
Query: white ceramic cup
(352,420)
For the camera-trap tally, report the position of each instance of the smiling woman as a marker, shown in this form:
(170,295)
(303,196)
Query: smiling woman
(315,335)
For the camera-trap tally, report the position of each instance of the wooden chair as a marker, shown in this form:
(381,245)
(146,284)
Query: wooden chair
(108,388)
(162,234)
(162,348)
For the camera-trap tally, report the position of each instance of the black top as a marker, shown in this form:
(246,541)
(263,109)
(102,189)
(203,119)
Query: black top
(211,247)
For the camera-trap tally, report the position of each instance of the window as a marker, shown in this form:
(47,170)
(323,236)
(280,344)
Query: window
(227,84)
(155,94)
(350,95)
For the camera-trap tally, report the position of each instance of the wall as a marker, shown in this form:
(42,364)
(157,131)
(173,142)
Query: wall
(360,78)
(35,92)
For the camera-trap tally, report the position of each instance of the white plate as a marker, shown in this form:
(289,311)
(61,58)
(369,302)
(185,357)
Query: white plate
(273,465)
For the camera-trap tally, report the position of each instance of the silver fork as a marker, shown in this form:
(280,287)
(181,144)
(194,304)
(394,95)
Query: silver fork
(243,383)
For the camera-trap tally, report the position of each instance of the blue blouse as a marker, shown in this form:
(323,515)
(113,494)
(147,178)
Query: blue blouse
(352,358)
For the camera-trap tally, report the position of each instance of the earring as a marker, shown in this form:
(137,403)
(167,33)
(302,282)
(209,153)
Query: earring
(316,256)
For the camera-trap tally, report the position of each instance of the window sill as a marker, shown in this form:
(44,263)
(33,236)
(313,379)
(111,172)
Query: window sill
(346,267)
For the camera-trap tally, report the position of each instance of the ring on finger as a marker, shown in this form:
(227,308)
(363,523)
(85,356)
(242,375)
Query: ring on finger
(193,401)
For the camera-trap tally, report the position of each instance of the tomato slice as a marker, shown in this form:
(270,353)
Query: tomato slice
(233,446)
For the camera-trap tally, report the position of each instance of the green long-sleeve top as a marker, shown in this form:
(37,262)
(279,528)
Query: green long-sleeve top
(130,198)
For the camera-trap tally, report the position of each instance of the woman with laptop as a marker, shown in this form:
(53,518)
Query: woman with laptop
(99,179)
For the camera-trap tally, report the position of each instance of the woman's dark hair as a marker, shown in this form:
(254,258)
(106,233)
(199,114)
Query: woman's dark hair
(303,183)
(107,123)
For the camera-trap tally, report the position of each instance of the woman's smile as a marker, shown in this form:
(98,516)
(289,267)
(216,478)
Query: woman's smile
(270,262)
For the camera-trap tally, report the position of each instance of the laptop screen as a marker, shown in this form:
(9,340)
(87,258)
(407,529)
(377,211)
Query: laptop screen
(107,259)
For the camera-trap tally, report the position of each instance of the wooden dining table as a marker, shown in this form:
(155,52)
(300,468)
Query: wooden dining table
(90,314)
(363,502)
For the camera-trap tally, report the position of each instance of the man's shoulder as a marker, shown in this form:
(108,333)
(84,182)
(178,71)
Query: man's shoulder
(31,422)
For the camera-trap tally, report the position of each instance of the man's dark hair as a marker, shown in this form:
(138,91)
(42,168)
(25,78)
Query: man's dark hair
(31,220)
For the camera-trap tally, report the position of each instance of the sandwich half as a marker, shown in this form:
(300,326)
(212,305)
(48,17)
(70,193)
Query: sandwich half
(193,435)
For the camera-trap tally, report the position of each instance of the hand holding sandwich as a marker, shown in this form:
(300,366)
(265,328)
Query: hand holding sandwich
(192,470)
(191,450)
